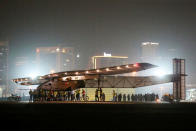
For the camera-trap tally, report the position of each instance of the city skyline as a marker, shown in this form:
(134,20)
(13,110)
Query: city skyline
(101,26)
(116,27)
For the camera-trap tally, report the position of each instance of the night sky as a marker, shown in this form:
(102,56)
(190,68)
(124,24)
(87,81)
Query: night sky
(95,26)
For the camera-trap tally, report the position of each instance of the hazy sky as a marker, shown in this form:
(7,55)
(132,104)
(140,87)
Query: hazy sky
(94,26)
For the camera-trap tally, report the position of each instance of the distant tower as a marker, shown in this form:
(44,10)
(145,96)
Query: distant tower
(179,85)
(4,45)
(149,51)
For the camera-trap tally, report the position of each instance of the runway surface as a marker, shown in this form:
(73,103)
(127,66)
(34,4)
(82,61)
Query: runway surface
(98,115)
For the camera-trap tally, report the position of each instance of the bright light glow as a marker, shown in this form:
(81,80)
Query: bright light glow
(159,72)
(105,54)
(136,65)
(33,75)
(66,78)
(149,43)
(77,55)
(87,72)
(133,73)
(76,73)
(65,73)
(52,71)
(40,77)
(158,100)
(63,78)
(107,69)
(127,66)
(98,70)
(145,43)
(154,43)
(57,49)
(118,67)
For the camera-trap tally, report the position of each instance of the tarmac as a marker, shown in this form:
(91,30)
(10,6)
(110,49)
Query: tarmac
(98,115)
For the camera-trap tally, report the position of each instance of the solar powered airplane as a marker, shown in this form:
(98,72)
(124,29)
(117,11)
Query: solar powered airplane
(95,78)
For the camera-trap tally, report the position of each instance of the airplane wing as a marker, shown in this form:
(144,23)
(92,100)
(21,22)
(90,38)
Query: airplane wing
(86,74)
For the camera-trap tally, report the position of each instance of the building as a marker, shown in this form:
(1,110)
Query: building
(4,51)
(107,60)
(149,51)
(55,59)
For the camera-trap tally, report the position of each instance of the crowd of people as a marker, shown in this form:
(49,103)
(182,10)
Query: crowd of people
(145,97)
(99,95)
(57,95)
(80,95)
(135,97)
(121,97)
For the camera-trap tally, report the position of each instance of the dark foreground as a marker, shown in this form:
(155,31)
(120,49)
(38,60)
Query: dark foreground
(71,116)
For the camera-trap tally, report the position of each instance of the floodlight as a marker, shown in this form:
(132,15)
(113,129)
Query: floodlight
(160,73)
(33,75)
